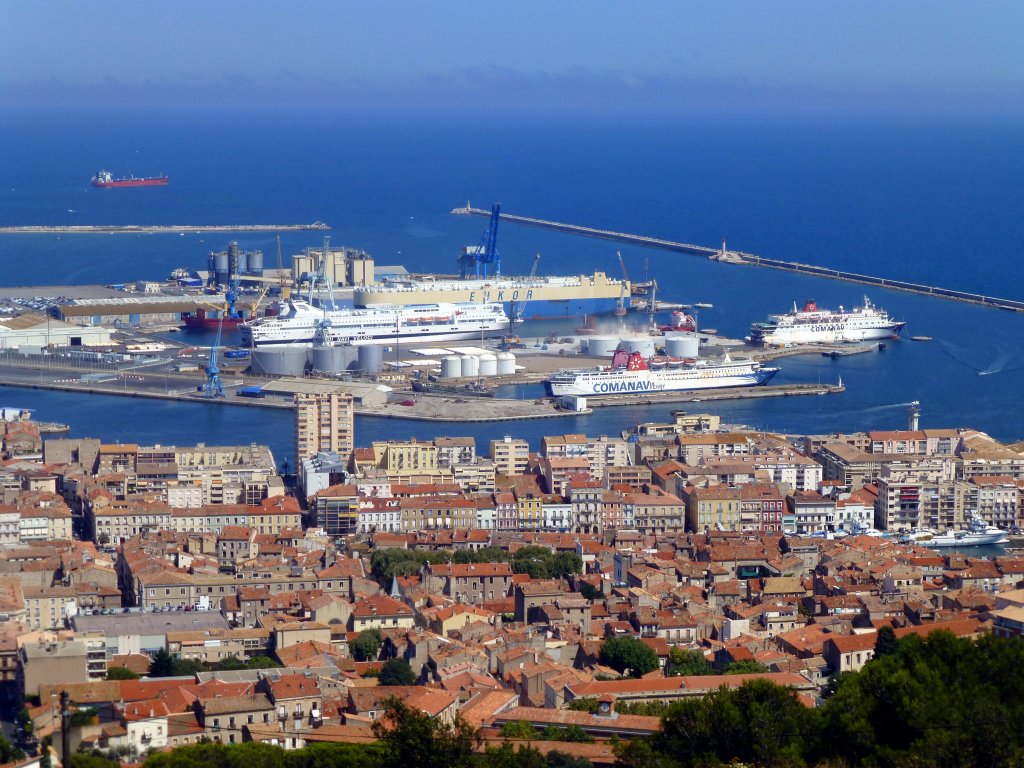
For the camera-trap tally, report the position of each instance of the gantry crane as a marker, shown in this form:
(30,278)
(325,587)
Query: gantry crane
(475,256)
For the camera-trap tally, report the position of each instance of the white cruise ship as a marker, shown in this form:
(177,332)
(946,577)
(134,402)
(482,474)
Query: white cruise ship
(301,322)
(825,326)
(629,374)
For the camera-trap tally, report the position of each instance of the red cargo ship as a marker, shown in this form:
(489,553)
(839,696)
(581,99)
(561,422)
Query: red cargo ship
(201,320)
(104,179)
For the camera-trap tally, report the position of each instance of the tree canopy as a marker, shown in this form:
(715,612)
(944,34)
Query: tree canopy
(397,672)
(122,673)
(683,662)
(932,701)
(367,645)
(542,563)
(627,655)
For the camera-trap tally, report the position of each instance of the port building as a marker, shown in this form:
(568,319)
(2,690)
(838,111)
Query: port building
(36,330)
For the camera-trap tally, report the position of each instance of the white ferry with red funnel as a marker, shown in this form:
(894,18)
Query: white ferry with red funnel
(630,374)
(811,325)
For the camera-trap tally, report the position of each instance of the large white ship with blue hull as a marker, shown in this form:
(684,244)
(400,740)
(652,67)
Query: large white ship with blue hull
(301,324)
(629,374)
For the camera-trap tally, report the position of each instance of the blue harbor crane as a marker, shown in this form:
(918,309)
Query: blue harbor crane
(214,388)
(476,256)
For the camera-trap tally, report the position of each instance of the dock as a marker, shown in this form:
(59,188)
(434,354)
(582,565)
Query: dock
(749,259)
(725,393)
(157,229)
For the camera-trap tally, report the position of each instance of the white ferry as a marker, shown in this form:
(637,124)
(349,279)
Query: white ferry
(812,325)
(629,374)
(301,322)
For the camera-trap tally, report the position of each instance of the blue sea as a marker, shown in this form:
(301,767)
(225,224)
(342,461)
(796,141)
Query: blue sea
(924,200)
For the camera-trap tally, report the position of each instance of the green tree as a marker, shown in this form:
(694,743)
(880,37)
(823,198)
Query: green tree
(229,663)
(262,662)
(397,672)
(533,561)
(519,729)
(185,667)
(887,643)
(558,759)
(583,704)
(161,664)
(508,756)
(565,564)
(744,667)
(367,645)
(411,738)
(122,673)
(628,655)
(87,760)
(683,662)
(589,591)
(8,752)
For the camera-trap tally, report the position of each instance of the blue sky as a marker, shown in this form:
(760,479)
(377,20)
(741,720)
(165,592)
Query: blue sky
(576,54)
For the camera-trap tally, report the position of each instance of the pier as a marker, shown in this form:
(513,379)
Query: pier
(158,229)
(749,259)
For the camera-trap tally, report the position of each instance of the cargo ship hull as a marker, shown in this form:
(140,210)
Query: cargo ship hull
(105,180)
(201,321)
(542,298)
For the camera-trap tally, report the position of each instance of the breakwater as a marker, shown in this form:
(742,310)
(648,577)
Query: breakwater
(749,259)
(115,229)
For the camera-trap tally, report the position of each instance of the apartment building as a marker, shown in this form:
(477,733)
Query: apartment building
(510,456)
(324,422)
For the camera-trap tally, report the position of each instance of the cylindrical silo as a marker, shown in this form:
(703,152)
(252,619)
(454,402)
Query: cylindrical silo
(255,262)
(488,365)
(601,346)
(642,344)
(242,264)
(279,361)
(470,366)
(371,358)
(506,364)
(451,367)
(348,354)
(328,358)
(221,265)
(682,344)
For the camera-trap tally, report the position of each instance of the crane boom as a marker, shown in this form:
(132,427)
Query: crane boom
(622,263)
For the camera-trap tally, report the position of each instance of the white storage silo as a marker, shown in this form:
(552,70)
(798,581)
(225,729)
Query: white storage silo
(601,346)
(371,358)
(642,344)
(470,366)
(451,367)
(682,345)
(488,365)
(506,364)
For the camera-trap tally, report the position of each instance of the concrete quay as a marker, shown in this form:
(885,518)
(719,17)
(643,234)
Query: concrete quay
(729,393)
(114,229)
(750,259)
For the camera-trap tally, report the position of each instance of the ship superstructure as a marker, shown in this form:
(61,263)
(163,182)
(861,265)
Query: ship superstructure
(813,325)
(630,374)
(303,323)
